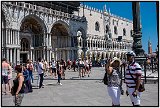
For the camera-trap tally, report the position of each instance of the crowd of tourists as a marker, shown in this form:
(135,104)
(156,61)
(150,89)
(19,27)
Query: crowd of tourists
(24,79)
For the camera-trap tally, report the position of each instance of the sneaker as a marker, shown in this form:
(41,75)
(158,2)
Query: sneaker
(59,83)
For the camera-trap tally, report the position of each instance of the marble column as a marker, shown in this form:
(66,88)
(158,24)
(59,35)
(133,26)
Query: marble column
(47,40)
(6,36)
(9,35)
(11,56)
(14,61)
(2,38)
(49,51)
(49,36)
(31,54)
(13,38)
(18,55)
(7,55)
(18,37)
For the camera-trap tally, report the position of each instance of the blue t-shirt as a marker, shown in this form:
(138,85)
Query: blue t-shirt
(26,75)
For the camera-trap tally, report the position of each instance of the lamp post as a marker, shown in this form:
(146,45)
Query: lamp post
(137,34)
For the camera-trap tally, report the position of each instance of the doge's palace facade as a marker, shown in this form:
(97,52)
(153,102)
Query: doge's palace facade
(107,35)
(59,30)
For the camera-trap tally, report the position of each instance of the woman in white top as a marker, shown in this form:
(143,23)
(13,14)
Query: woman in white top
(114,81)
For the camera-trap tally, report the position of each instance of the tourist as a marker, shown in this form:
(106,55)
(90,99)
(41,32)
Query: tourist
(74,65)
(114,80)
(59,72)
(27,80)
(30,69)
(54,67)
(86,64)
(63,64)
(18,87)
(5,73)
(81,67)
(90,65)
(133,79)
(45,64)
(40,69)
(10,77)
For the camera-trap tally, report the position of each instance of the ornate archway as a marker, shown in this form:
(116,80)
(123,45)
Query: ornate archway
(61,41)
(32,30)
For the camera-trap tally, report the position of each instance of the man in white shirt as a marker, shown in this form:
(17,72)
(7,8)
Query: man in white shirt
(54,68)
(40,69)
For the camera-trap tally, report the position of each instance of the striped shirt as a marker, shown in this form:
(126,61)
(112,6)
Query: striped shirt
(135,70)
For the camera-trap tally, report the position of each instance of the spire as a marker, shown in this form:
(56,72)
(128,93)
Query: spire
(105,8)
(149,46)
(149,41)
(109,11)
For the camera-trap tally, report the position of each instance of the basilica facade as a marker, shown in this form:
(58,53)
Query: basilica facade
(62,30)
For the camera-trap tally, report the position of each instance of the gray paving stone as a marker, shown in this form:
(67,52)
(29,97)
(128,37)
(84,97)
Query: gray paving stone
(79,93)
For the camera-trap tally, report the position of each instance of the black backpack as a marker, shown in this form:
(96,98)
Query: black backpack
(105,79)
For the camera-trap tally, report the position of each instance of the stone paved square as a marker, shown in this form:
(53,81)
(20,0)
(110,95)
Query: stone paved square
(79,92)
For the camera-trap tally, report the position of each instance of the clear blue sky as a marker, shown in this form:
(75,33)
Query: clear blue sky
(148,18)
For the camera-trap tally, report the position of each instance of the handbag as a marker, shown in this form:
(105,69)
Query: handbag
(141,86)
(105,79)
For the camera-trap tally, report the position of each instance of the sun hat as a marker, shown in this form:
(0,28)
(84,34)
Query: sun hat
(131,53)
(116,59)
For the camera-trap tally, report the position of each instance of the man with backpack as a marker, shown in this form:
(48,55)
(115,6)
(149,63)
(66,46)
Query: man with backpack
(133,79)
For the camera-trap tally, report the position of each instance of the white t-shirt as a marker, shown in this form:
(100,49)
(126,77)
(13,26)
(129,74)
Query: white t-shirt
(40,68)
(53,64)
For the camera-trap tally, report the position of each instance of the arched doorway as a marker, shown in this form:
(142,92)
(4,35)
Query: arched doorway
(32,30)
(103,55)
(25,47)
(61,41)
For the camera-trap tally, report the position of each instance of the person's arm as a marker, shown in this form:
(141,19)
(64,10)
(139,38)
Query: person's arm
(21,79)
(9,69)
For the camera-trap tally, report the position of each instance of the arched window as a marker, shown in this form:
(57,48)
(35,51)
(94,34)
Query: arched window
(24,45)
(88,43)
(124,32)
(115,30)
(94,44)
(107,29)
(97,26)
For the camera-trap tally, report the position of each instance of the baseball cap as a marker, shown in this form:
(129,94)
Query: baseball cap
(131,53)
